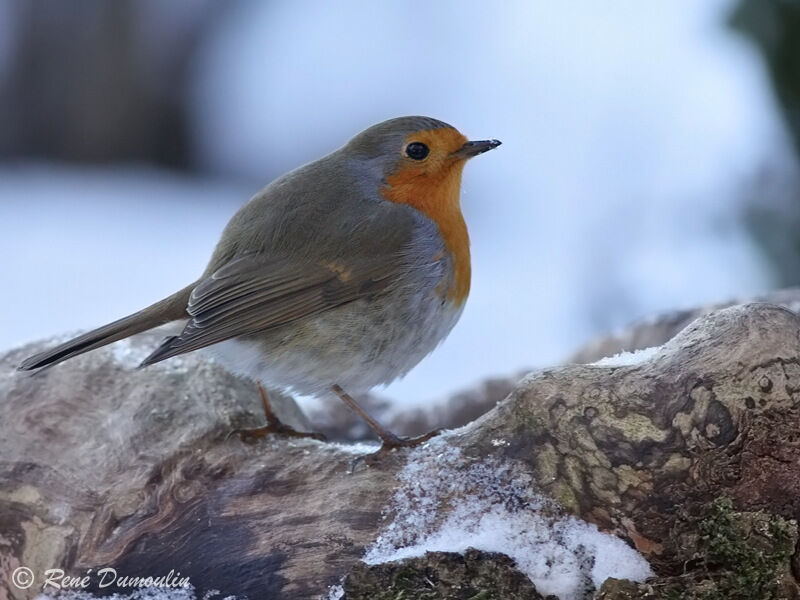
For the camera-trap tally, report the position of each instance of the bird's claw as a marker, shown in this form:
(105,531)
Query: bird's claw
(389,444)
(250,436)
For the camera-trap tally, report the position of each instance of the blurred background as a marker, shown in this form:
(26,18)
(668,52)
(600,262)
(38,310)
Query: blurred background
(648,159)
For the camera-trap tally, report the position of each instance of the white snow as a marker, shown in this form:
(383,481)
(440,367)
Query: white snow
(153,593)
(487,508)
(335,593)
(356,448)
(628,359)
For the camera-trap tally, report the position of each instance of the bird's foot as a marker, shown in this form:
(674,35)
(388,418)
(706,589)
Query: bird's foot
(391,442)
(250,436)
(274,425)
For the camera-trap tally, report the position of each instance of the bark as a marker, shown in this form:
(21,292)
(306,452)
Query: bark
(103,466)
(657,330)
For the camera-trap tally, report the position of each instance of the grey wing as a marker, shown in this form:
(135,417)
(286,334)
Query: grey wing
(249,294)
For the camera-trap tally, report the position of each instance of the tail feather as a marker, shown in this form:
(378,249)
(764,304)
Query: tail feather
(169,309)
(163,352)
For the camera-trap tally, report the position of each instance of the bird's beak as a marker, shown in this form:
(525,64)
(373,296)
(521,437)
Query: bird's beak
(471,149)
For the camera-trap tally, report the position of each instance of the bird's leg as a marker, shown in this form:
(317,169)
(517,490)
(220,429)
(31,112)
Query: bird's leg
(389,441)
(274,424)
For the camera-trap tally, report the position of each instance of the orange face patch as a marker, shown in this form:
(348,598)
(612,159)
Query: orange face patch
(433,187)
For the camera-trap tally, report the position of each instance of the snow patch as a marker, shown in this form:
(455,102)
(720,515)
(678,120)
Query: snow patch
(335,593)
(356,448)
(155,593)
(448,502)
(628,359)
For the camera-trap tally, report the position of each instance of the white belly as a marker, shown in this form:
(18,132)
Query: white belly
(357,346)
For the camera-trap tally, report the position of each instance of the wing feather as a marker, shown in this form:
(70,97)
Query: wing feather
(248,295)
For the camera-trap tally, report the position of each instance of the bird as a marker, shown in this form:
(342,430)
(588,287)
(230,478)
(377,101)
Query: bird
(338,276)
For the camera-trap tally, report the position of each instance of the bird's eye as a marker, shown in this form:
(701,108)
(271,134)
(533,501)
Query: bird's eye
(417,150)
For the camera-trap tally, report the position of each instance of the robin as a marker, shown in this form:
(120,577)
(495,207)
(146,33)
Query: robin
(338,276)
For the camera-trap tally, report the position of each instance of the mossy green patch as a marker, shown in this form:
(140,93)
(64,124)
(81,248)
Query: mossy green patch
(739,556)
(745,555)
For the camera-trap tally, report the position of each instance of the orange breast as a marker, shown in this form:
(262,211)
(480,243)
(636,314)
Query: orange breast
(434,189)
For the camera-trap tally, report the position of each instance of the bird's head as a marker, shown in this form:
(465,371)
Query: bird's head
(416,151)
(418,161)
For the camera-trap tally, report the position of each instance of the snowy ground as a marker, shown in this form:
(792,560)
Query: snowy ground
(492,511)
